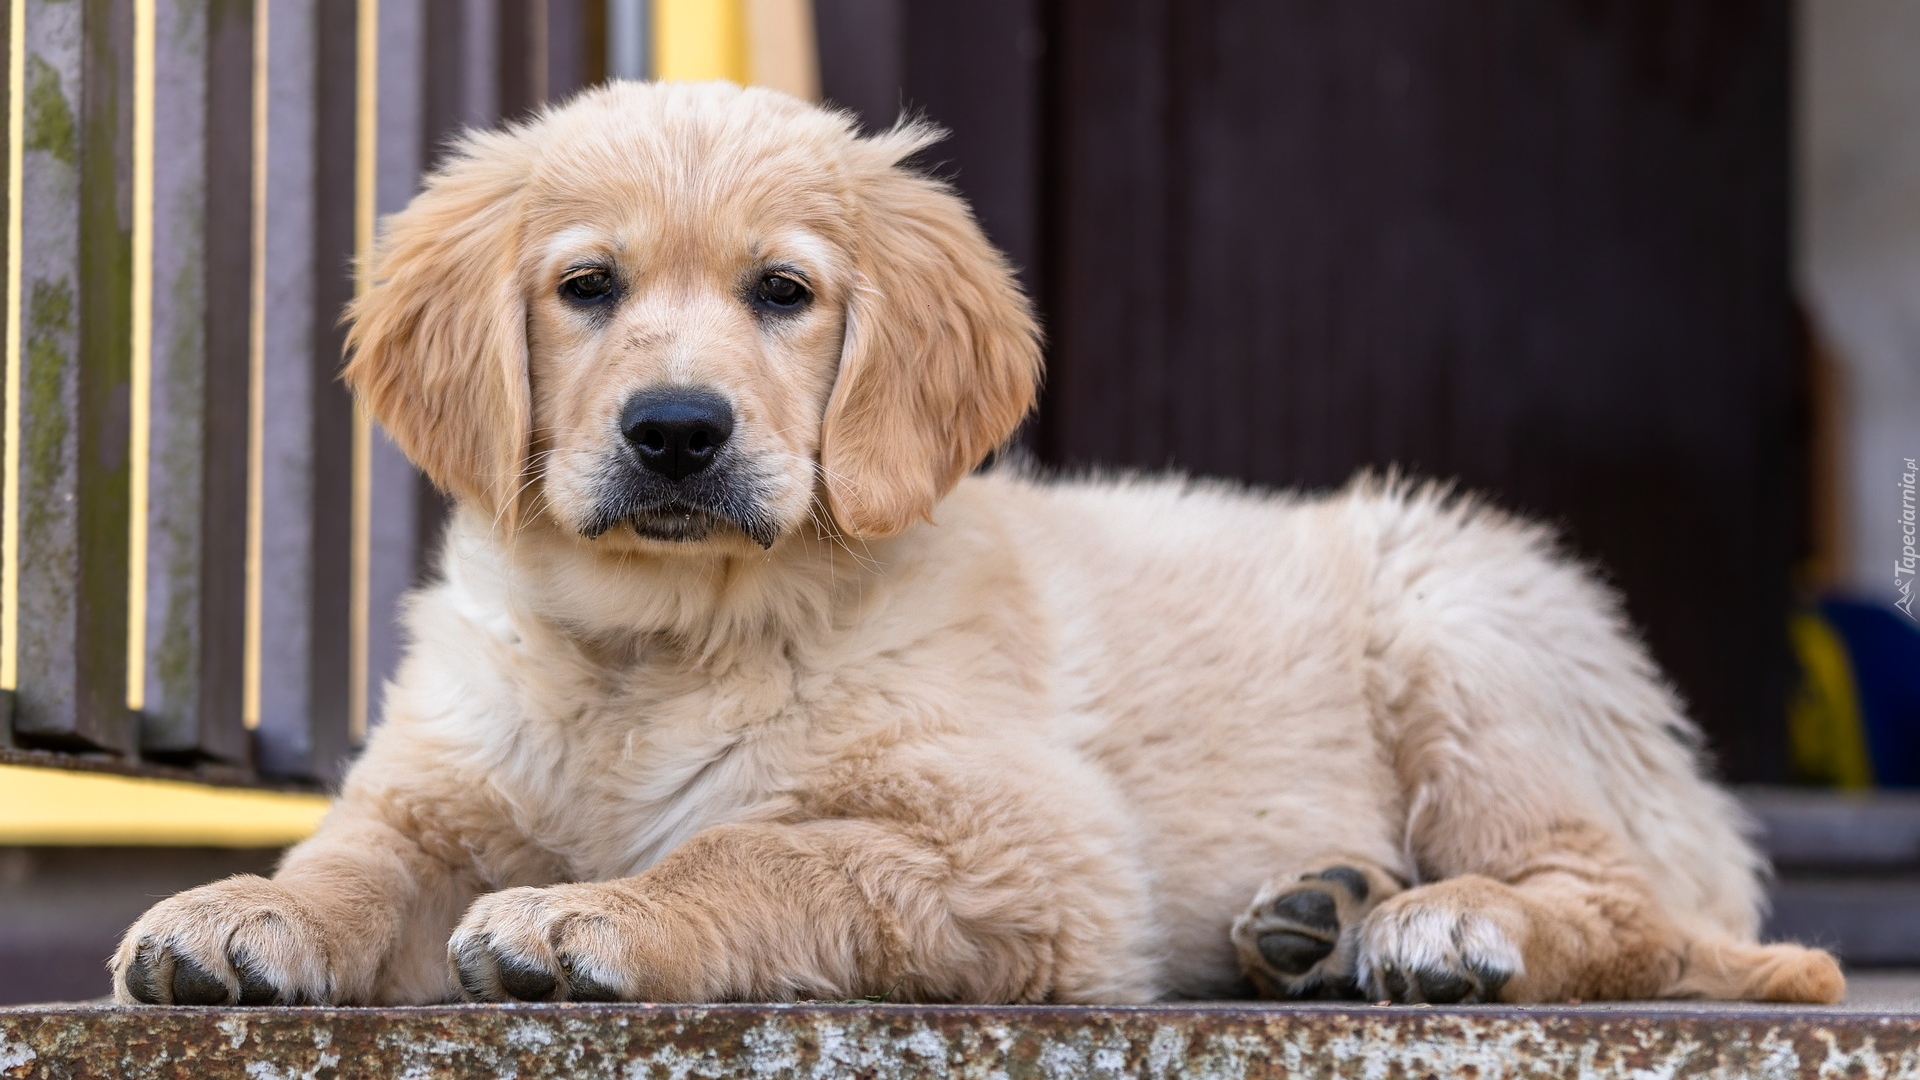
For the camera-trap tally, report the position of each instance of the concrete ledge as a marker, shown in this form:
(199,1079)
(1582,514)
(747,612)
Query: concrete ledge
(882,1042)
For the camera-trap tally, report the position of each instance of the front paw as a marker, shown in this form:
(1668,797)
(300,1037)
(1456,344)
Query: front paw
(242,941)
(1450,942)
(587,942)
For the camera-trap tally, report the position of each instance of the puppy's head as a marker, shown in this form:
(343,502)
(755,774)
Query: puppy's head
(670,317)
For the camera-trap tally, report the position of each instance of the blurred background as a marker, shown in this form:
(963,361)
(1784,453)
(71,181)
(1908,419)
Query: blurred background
(1647,270)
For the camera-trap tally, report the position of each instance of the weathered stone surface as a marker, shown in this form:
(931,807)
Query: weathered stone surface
(882,1042)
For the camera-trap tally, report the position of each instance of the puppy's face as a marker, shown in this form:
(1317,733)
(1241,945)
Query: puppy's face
(687,318)
(683,339)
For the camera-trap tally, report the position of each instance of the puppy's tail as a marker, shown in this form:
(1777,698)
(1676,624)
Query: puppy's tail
(1725,969)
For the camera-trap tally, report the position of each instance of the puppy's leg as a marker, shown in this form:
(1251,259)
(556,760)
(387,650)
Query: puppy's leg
(1726,969)
(357,914)
(823,909)
(1551,781)
(1566,918)
(1300,937)
(1571,917)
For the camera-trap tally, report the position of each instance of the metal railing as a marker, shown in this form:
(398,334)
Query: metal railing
(203,542)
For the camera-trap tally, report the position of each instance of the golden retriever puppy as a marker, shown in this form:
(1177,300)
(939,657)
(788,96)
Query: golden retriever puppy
(737,684)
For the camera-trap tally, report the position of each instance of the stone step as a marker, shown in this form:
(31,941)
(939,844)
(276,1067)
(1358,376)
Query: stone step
(1847,870)
(885,1042)
(1811,830)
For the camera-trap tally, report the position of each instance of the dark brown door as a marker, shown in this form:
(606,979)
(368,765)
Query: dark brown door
(1537,247)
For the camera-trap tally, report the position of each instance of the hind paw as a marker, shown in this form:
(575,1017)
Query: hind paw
(1300,938)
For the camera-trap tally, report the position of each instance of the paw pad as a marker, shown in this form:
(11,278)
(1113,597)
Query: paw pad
(1309,908)
(1298,943)
(1347,878)
(1293,953)
(195,985)
(526,981)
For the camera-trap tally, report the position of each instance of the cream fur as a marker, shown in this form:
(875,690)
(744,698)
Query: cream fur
(992,738)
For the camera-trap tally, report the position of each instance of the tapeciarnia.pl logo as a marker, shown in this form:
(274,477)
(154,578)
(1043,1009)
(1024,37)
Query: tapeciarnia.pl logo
(1903,567)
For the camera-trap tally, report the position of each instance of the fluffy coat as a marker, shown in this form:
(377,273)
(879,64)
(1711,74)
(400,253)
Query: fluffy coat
(855,722)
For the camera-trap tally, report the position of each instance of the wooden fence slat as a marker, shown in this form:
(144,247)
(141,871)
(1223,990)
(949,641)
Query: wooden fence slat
(330,513)
(8,481)
(74,377)
(547,50)
(48,551)
(175,452)
(393,562)
(292,739)
(106,308)
(229,274)
(520,56)
(170,709)
(576,53)
(462,88)
(394,550)
(629,39)
(478,67)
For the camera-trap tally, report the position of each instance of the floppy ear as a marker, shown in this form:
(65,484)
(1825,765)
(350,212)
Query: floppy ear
(942,355)
(438,341)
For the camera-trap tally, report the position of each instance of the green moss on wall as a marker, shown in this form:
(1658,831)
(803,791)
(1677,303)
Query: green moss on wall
(50,124)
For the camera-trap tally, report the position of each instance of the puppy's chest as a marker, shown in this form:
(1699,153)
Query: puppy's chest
(613,769)
(654,756)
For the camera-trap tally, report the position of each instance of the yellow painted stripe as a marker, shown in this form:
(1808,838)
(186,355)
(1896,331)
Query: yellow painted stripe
(141,367)
(53,806)
(256,376)
(695,40)
(16,187)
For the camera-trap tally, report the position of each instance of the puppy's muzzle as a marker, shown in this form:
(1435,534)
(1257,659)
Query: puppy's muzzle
(678,475)
(676,432)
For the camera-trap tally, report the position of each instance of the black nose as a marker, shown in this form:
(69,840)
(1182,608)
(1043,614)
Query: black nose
(676,432)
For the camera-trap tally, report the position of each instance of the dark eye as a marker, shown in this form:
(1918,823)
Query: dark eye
(590,287)
(780,292)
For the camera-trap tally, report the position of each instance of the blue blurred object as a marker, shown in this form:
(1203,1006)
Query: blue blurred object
(1885,650)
